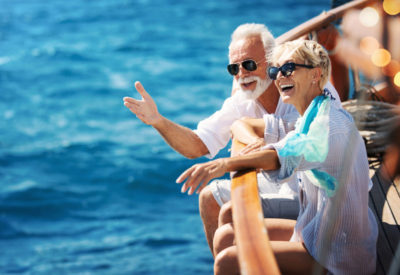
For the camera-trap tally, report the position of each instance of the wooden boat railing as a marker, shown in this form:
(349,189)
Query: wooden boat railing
(321,20)
(255,252)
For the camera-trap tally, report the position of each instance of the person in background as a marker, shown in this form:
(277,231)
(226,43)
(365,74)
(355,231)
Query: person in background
(328,156)
(253,97)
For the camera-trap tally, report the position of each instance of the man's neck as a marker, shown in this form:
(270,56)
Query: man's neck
(269,99)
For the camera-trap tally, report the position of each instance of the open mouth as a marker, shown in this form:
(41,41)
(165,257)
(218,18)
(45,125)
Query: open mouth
(286,87)
(248,84)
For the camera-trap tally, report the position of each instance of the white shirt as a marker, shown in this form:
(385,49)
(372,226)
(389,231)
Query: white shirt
(276,129)
(352,244)
(215,132)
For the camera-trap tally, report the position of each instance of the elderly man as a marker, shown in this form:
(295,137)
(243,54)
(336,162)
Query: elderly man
(254,97)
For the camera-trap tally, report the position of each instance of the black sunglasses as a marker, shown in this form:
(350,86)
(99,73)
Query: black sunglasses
(249,65)
(286,69)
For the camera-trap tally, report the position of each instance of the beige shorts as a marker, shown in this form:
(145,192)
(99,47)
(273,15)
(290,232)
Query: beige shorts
(274,202)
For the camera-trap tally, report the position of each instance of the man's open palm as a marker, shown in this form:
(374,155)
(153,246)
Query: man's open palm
(145,109)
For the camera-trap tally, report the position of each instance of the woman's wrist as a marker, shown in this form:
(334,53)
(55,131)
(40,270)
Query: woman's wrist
(257,140)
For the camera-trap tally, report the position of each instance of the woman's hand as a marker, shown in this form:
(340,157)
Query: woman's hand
(248,130)
(253,147)
(200,174)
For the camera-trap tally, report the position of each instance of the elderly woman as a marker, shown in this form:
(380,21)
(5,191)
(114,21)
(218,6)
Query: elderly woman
(335,228)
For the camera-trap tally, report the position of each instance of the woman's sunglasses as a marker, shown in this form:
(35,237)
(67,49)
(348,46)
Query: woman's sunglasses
(249,65)
(286,69)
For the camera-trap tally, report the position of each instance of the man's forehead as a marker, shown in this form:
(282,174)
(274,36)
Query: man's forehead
(250,46)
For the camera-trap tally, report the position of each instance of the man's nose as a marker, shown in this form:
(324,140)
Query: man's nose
(242,71)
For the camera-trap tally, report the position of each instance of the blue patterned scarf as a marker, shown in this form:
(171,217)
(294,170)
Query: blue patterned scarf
(311,140)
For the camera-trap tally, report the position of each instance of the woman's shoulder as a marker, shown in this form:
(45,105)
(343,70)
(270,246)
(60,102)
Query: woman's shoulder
(340,120)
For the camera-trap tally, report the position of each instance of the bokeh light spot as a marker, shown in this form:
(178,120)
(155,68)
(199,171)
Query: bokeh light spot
(369,17)
(380,57)
(397,79)
(369,45)
(391,7)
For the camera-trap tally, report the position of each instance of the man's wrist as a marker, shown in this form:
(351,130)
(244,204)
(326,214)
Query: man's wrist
(225,164)
(158,122)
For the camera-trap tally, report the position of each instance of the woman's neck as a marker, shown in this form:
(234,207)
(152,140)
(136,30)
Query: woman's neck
(302,106)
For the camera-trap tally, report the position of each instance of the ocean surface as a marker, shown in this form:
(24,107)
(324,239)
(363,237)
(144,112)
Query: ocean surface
(85,187)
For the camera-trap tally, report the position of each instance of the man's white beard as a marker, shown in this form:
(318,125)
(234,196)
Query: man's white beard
(262,85)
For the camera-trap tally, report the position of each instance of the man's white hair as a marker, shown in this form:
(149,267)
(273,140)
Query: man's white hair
(252,29)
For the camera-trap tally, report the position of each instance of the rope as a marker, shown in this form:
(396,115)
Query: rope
(375,121)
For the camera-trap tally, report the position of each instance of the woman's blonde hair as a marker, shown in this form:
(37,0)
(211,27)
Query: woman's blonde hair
(308,51)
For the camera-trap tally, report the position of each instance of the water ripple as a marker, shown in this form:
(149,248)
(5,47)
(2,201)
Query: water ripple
(85,187)
(152,242)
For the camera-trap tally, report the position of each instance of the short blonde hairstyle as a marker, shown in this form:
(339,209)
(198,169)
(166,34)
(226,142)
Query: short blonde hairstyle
(307,51)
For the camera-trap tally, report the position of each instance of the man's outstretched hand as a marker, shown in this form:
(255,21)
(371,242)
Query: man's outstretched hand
(145,109)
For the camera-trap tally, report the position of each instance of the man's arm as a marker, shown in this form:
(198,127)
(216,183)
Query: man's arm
(248,130)
(181,139)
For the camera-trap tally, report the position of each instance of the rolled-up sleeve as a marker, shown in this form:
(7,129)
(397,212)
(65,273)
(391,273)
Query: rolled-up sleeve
(288,164)
(214,131)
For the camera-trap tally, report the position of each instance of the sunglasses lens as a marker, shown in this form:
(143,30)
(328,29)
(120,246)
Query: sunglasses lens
(287,69)
(273,72)
(249,65)
(233,69)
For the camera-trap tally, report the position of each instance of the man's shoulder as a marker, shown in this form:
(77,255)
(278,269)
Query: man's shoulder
(245,107)
(239,101)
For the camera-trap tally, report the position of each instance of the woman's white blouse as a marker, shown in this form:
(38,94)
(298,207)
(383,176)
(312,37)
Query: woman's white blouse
(341,226)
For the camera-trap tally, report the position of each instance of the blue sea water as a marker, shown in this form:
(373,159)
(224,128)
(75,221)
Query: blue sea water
(85,187)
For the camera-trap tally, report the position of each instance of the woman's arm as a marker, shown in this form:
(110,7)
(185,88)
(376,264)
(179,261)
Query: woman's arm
(265,160)
(200,174)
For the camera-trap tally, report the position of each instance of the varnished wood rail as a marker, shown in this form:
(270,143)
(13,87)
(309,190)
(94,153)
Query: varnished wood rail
(255,252)
(254,249)
(321,20)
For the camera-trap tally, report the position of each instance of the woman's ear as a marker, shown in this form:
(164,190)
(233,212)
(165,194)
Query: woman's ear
(317,74)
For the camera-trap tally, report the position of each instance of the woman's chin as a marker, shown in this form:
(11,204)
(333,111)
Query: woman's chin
(287,99)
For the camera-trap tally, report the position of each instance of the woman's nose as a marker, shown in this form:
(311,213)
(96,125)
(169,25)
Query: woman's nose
(279,75)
